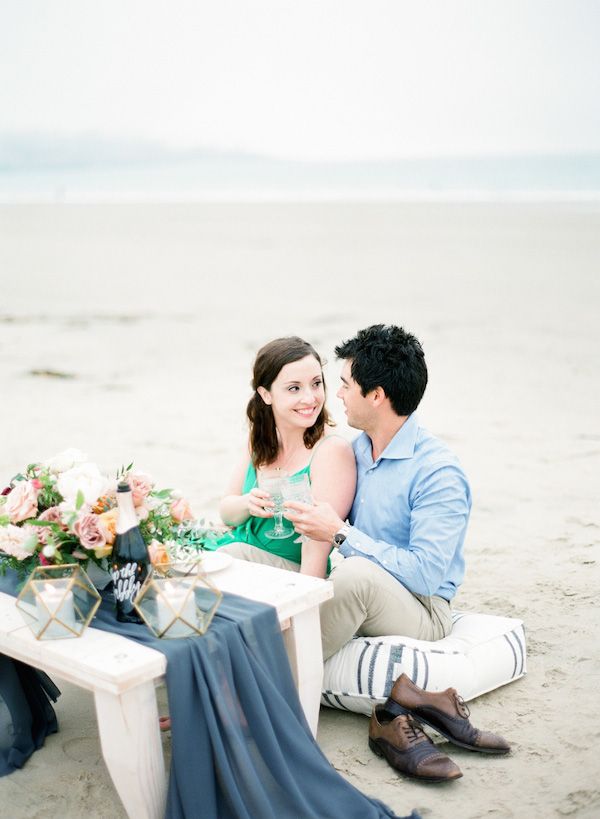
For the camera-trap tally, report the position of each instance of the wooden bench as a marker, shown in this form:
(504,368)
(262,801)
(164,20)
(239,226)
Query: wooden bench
(122,674)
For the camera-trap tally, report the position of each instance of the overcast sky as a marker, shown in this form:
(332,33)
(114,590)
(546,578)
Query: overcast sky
(308,78)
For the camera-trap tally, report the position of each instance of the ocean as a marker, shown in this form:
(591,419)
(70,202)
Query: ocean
(233,177)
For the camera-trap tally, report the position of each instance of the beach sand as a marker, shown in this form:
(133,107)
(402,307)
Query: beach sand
(152,314)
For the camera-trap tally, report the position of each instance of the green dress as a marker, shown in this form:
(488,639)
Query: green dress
(253,530)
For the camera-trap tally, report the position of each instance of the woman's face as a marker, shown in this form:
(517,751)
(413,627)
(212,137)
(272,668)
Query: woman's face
(297,395)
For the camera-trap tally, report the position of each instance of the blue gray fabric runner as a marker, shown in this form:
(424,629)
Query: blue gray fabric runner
(241,747)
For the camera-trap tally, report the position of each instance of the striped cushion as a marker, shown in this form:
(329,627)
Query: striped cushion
(481,653)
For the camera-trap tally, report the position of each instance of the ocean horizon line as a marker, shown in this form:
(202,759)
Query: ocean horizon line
(276,196)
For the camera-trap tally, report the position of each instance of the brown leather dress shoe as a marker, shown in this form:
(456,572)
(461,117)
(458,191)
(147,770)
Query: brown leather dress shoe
(400,740)
(446,712)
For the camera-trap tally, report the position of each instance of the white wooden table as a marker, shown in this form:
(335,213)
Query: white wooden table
(122,674)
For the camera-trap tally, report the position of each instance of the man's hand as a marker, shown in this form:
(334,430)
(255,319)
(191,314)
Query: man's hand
(317,521)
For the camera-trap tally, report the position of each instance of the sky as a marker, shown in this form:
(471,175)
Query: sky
(308,79)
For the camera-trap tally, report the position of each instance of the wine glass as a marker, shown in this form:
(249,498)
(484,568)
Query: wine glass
(297,488)
(272,482)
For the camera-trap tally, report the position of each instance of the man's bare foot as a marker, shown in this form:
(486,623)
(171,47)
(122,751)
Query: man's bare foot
(164,723)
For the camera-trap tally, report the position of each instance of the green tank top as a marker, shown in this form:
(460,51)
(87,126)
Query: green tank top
(253,530)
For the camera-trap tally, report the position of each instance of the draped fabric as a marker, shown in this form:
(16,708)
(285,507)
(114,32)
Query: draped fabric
(241,747)
(26,715)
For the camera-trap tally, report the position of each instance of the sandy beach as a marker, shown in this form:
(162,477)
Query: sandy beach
(129,330)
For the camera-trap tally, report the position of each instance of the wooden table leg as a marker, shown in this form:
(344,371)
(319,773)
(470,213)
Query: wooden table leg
(303,644)
(132,749)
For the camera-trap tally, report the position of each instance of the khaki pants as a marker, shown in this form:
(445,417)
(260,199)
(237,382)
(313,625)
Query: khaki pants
(367,601)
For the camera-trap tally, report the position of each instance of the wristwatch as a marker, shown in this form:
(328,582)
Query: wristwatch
(341,535)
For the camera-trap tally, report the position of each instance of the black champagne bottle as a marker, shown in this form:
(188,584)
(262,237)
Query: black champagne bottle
(129,558)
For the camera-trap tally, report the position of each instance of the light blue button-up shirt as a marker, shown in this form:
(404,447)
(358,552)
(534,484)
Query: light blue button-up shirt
(411,511)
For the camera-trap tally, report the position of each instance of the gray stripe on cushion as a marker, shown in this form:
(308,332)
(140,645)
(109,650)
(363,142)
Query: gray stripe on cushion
(359,670)
(521,650)
(426,680)
(514,655)
(372,668)
(415,673)
(395,658)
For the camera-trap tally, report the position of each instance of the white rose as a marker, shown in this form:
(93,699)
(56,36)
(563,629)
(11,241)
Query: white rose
(85,478)
(66,460)
(17,541)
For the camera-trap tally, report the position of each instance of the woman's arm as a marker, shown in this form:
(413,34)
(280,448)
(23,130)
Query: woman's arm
(333,479)
(235,507)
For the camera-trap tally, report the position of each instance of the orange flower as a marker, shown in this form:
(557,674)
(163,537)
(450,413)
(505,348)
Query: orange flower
(158,553)
(109,524)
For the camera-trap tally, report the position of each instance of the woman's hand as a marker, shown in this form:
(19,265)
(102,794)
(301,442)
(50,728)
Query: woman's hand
(260,504)
(318,521)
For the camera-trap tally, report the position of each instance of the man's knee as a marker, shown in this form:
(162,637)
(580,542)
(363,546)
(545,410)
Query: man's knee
(354,576)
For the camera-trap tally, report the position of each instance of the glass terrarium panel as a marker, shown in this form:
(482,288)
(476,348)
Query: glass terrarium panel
(177,606)
(58,602)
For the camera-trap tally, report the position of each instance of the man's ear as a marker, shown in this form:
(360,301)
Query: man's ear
(264,394)
(377,396)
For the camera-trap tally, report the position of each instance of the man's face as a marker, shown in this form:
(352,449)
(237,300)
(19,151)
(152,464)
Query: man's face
(357,406)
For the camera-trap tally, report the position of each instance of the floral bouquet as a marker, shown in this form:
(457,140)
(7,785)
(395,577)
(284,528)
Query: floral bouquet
(64,510)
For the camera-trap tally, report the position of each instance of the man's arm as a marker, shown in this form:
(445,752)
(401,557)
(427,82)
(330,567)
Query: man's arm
(439,516)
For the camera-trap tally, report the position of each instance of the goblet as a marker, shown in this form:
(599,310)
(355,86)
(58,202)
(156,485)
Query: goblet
(297,488)
(272,482)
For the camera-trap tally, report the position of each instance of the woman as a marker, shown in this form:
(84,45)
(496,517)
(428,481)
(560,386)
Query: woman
(290,430)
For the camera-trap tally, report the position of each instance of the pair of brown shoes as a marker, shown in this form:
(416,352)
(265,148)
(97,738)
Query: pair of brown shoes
(395,732)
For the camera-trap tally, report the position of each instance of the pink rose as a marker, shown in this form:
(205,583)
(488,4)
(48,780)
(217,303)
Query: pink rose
(52,515)
(90,532)
(180,510)
(141,486)
(22,502)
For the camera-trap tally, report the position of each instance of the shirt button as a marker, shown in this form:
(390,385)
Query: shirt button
(362,500)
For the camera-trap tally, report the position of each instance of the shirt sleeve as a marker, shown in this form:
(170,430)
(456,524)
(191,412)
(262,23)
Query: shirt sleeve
(439,514)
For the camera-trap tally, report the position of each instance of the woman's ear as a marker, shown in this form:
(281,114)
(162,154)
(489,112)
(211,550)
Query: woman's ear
(264,394)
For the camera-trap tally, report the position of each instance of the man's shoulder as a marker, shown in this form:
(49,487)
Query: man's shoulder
(433,453)
(360,443)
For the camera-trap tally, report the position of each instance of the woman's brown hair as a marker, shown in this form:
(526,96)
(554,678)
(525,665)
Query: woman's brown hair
(269,361)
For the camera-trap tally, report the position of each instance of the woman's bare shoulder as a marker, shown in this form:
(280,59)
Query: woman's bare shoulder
(333,444)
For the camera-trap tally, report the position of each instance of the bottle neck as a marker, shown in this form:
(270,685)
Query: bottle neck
(127,518)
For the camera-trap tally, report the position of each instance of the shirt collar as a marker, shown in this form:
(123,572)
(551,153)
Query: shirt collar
(400,447)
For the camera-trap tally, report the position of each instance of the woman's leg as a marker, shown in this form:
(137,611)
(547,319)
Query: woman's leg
(245,551)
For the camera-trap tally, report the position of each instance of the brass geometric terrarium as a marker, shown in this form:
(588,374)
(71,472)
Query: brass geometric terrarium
(58,602)
(174,602)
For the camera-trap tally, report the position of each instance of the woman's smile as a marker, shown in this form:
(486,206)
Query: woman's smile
(306,412)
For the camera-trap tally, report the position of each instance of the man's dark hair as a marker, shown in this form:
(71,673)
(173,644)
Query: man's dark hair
(388,357)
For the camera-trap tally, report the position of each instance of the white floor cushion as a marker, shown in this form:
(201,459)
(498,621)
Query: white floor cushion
(481,653)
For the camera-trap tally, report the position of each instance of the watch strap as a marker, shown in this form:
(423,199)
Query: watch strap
(341,535)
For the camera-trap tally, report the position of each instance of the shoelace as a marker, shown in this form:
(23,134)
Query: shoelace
(461,705)
(412,732)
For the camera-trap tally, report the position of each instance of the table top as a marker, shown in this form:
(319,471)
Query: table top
(99,660)
(290,592)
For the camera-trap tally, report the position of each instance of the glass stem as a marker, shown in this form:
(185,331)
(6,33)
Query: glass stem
(278,521)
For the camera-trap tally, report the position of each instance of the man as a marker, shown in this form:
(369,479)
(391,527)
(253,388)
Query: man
(403,546)
(403,542)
